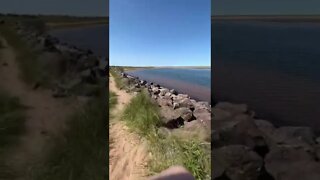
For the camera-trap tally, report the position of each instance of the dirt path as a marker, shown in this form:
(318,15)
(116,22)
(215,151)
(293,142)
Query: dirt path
(45,115)
(128,155)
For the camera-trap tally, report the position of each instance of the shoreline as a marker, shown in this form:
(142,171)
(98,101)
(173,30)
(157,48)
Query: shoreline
(195,91)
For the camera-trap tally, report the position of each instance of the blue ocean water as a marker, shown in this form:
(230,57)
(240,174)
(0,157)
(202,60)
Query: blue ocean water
(95,38)
(272,67)
(200,77)
(195,82)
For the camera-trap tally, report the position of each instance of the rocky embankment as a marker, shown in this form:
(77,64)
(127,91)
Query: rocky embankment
(68,70)
(178,111)
(245,147)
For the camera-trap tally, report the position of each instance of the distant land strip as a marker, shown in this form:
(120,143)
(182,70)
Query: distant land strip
(55,25)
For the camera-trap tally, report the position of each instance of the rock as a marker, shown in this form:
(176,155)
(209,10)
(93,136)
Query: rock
(317,152)
(220,114)
(201,112)
(5,64)
(194,129)
(291,163)
(237,162)
(297,136)
(185,113)
(264,126)
(142,82)
(240,129)
(168,94)
(175,105)
(60,93)
(170,117)
(164,101)
(172,91)
(202,105)
(302,133)
(163,91)
(233,108)
(185,102)
(155,90)
(183,96)
(318,140)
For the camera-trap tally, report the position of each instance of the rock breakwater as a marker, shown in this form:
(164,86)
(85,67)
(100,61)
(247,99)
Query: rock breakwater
(245,147)
(178,112)
(69,70)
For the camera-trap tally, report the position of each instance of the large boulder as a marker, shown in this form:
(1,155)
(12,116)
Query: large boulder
(170,117)
(164,101)
(174,118)
(193,130)
(241,130)
(297,136)
(237,162)
(220,114)
(287,162)
(185,102)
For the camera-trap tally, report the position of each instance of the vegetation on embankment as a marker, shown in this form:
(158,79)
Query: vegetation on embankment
(31,70)
(142,116)
(114,71)
(81,152)
(12,119)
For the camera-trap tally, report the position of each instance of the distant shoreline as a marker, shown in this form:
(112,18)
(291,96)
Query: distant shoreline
(131,68)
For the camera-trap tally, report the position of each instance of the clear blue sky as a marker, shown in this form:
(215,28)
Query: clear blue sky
(265,7)
(64,7)
(160,32)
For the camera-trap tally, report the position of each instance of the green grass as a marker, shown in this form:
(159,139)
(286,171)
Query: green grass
(142,116)
(30,67)
(112,99)
(118,80)
(81,152)
(12,120)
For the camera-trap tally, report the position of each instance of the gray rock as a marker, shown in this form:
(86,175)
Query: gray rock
(175,105)
(185,113)
(220,114)
(264,126)
(155,90)
(240,129)
(237,162)
(170,117)
(302,133)
(172,91)
(291,163)
(163,91)
(164,101)
(185,102)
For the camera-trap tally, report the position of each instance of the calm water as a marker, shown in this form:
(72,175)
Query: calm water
(272,67)
(95,38)
(195,82)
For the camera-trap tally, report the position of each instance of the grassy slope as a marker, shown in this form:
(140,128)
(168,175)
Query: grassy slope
(142,116)
(12,119)
(82,152)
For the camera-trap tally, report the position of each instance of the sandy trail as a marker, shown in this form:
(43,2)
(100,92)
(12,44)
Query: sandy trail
(128,155)
(45,115)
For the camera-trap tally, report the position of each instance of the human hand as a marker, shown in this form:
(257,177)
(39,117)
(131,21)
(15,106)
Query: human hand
(174,173)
